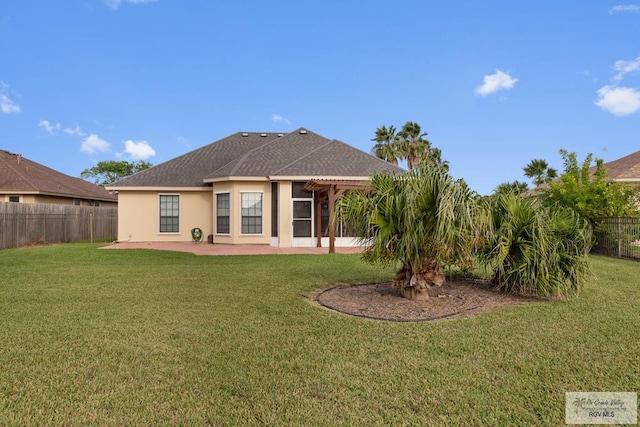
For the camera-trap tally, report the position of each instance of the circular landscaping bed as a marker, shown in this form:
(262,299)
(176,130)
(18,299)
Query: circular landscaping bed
(455,299)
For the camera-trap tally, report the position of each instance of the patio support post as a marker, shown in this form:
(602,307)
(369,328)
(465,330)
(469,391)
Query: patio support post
(332,225)
(319,200)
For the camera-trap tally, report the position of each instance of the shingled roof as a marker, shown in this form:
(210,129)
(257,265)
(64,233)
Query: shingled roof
(19,174)
(625,169)
(254,154)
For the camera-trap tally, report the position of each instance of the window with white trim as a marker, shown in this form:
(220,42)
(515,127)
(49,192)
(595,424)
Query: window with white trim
(251,208)
(222,213)
(169,213)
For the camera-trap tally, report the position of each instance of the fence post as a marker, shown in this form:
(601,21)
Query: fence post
(91,225)
(619,237)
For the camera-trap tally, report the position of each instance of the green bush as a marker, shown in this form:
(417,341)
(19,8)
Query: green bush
(534,249)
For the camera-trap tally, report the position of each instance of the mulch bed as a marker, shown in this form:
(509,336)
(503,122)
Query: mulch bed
(455,299)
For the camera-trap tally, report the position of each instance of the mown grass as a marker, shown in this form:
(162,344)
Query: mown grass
(140,337)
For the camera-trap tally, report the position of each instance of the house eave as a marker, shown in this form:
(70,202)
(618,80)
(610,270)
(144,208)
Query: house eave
(65,195)
(318,177)
(159,188)
(637,180)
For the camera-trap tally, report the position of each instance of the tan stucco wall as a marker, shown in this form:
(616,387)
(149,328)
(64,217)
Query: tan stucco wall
(139,215)
(235,189)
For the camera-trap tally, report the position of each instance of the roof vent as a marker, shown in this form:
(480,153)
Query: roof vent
(280,135)
(245,134)
(303,131)
(263,135)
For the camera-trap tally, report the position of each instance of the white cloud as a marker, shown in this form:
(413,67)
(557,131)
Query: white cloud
(626,67)
(115,4)
(93,143)
(74,131)
(7,106)
(495,82)
(621,8)
(139,150)
(277,118)
(51,128)
(619,101)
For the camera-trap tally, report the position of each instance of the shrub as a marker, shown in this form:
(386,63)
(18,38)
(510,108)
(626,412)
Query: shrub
(534,249)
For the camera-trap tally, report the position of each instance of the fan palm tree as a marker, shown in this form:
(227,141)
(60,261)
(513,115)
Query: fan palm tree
(420,220)
(386,147)
(532,248)
(516,187)
(540,172)
(412,144)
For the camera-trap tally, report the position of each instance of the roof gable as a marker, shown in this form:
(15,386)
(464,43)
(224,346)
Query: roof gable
(19,174)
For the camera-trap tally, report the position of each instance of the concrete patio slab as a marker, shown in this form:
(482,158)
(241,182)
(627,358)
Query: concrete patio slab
(218,249)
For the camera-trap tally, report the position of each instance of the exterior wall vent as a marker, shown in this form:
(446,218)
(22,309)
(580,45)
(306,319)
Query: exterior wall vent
(245,134)
(303,132)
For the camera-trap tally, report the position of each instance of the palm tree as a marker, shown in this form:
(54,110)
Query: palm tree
(516,187)
(532,248)
(540,172)
(412,144)
(420,220)
(386,147)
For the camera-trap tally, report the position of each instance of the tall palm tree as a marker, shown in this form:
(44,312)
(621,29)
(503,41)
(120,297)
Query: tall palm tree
(413,145)
(386,147)
(421,220)
(540,172)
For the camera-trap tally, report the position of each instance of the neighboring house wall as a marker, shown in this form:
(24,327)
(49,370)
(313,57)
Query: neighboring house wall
(55,200)
(139,215)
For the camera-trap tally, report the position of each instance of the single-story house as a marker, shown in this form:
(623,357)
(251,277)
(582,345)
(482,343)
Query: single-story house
(248,188)
(25,181)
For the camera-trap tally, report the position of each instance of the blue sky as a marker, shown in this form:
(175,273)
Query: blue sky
(494,83)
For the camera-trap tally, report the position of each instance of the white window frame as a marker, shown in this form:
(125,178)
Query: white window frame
(228,193)
(160,213)
(261,193)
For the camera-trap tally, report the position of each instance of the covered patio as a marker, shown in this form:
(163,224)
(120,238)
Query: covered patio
(330,190)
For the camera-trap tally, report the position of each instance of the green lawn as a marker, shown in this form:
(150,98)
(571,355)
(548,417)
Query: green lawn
(140,337)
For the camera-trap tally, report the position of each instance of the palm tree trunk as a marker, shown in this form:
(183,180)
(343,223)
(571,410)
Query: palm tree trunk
(415,286)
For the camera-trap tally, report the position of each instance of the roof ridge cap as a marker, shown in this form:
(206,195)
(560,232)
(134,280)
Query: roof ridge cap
(239,160)
(329,141)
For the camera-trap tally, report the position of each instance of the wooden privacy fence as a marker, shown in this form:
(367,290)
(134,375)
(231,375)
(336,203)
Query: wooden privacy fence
(23,224)
(618,237)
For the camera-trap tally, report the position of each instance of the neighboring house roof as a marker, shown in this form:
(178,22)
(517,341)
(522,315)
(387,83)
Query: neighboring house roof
(250,154)
(625,169)
(21,175)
